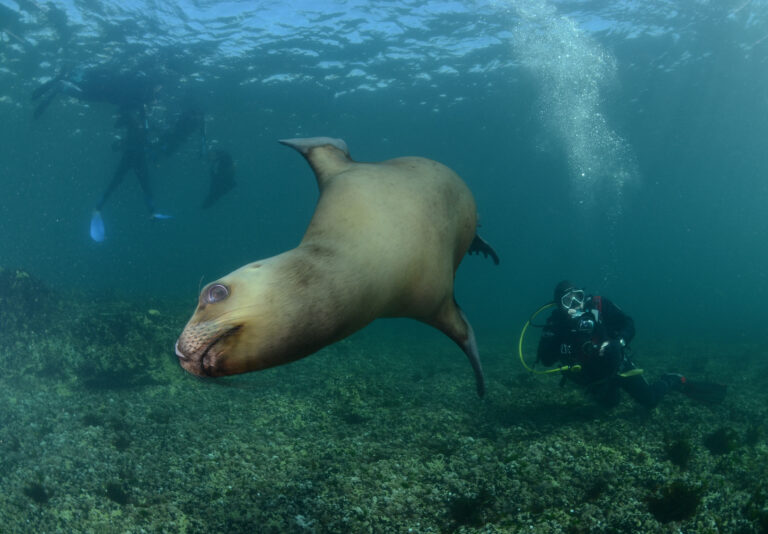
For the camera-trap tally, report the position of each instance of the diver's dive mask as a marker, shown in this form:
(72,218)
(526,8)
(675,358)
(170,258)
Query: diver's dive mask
(573,301)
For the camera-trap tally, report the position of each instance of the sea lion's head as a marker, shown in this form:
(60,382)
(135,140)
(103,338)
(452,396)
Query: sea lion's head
(223,335)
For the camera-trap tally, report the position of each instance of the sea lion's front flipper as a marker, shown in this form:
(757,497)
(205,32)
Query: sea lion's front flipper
(326,155)
(453,323)
(481,246)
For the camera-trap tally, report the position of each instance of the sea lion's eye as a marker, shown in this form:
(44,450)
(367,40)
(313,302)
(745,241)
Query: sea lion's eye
(216,293)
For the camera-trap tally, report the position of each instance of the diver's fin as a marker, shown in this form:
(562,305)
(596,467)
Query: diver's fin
(160,216)
(481,246)
(97,227)
(705,392)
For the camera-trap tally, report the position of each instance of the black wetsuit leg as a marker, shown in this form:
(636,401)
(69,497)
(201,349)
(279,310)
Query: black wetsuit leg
(45,102)
(48,92)
(142,173)
(117,178)
(131,160)
(644,393)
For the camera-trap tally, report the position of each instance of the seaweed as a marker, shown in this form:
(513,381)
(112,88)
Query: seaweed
(95,379)
(353,418)
(679,452)
(468,510)
(599,487)
(117,493)
(754,434)
(722,441)
(677,501)
(92,419)
(25,301)
(37,492)
(121,442)
(756,510)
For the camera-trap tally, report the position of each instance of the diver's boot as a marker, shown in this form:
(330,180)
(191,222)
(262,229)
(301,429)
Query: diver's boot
(674,381)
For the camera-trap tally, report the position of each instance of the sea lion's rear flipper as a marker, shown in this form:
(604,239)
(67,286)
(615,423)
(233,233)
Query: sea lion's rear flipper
(326,155)
(453,323)
(481,246)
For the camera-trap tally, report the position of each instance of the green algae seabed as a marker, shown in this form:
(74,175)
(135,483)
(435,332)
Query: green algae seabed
(101,431)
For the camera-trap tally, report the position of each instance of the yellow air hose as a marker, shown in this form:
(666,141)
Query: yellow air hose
(564,368)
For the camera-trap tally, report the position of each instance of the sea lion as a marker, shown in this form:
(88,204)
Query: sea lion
(385,241)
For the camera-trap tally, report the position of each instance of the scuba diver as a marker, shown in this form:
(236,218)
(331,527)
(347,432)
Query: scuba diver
(590,336)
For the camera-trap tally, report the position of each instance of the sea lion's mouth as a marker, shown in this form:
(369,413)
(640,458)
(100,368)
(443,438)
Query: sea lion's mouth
(209,357)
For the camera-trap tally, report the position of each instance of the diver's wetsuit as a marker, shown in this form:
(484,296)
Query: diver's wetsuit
(577,340)
(125,89)
(135,146)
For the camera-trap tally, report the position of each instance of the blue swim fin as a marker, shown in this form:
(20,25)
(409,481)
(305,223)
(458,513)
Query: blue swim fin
(160,216)
(97,227)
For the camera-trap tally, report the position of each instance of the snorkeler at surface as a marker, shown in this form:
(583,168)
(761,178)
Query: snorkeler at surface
(126,89)
(146,140)
(139,150)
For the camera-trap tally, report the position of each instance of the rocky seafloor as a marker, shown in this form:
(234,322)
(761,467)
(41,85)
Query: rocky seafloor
(101,431)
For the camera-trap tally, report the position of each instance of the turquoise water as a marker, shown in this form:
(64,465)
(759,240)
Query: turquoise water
(659,109)
(618,144)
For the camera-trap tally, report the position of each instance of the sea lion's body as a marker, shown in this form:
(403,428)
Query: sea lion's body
(385,241)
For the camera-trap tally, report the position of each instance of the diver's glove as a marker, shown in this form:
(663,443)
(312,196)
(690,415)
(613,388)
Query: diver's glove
(612,347)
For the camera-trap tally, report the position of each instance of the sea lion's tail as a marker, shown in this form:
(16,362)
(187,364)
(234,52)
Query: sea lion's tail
(306,144)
